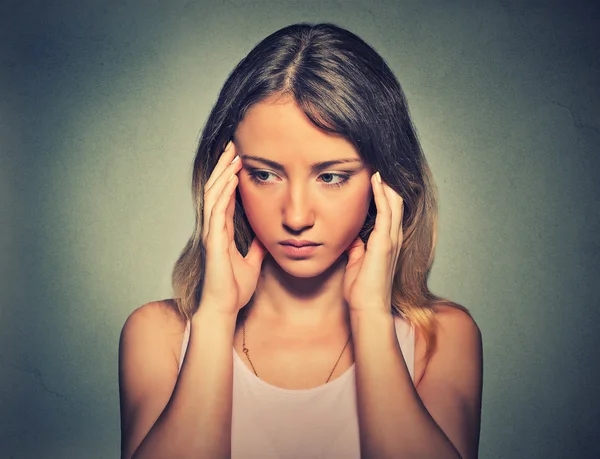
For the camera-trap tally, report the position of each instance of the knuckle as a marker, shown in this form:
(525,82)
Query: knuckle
(386,247)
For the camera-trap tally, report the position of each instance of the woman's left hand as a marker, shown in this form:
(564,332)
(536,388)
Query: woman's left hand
(368,279)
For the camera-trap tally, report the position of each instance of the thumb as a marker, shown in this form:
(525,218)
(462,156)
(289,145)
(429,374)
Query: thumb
(355,251)
(256,253)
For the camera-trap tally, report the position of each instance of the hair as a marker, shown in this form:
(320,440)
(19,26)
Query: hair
(344,87)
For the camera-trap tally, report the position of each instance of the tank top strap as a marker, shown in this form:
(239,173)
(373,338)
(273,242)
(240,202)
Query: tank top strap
(406,339)
(184,343)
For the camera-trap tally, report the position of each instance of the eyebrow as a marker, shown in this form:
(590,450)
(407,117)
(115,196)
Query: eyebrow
(316,167)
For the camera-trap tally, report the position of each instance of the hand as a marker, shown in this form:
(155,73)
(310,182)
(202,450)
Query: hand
(230,279)
(368,279)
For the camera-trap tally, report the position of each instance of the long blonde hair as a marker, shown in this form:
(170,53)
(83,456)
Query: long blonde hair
(344,87)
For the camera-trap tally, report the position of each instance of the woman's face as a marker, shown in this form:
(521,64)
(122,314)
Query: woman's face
(286,195)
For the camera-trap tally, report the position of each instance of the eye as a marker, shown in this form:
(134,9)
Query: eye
(343,179)
(260,177)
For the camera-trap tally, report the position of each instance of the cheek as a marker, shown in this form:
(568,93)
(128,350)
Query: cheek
(352,212)
(345,218)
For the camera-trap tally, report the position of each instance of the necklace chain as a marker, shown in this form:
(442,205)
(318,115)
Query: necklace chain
(245,349)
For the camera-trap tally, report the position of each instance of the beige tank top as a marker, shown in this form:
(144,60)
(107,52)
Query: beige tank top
(269,422)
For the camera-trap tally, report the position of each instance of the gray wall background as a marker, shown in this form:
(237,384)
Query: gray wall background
(101,106)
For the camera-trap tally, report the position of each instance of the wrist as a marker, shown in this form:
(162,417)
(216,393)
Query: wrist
(372,318)
(372,310)
(214,318)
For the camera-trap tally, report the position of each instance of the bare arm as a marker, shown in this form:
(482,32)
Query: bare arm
(166,415)
(440,418)
(188,415)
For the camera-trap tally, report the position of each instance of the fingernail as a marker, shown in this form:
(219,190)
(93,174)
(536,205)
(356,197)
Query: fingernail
(378,176)
(235,159)
(228,146)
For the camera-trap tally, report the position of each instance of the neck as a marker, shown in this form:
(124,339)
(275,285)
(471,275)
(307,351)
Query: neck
(307,304)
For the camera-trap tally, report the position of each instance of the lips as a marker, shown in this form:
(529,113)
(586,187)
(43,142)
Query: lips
(301,252)
(299,243)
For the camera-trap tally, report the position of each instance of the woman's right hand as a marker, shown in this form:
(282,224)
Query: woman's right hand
(229,279)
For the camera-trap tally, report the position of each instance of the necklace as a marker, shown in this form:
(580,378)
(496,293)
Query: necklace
(245,349)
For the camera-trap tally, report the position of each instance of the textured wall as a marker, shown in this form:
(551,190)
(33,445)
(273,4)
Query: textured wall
(100,108)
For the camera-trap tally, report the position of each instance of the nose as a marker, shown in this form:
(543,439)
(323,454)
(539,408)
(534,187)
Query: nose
(298,212)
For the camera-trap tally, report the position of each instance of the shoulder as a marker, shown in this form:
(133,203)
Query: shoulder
(451,384)
(148,366)
(161,314)
(166,306)
(458,355)
(457,335)
(455,323)
(154,325)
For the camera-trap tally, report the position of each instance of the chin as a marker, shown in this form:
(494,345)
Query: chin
(305,268)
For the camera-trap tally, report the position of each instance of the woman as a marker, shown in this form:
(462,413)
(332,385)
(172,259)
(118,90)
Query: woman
(332,349)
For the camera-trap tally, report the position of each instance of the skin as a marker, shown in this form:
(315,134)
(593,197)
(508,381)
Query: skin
(438,415)
(303,310)
(300,295)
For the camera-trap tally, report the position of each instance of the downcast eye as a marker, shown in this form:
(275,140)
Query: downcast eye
(260,177)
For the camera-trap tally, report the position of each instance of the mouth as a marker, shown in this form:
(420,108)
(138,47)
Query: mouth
(293,243)
(300,245)
(302,250)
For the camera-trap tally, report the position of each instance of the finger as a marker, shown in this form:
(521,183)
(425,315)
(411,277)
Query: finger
(212,195)
(395,203)
(224,160)
(355,251)
(384,213)
(400,227)
(229,212)
(217,232)
(256,253)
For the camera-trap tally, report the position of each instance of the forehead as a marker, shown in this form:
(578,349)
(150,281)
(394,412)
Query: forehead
(277,128)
